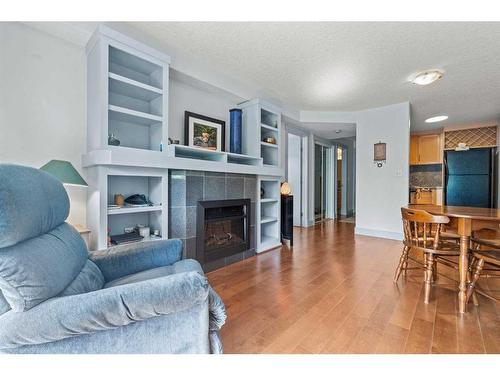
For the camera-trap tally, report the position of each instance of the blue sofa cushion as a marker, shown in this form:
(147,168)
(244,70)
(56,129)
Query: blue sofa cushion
(89,279)
(32,202)
(40,268)
(186,265)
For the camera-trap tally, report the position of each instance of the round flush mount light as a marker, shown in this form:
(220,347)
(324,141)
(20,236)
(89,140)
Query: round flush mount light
(338,131)
(426,77)
(437,118)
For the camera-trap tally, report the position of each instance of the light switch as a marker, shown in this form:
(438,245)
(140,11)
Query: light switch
(399,172)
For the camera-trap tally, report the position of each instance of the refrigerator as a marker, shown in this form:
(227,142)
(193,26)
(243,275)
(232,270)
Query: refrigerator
(470,178)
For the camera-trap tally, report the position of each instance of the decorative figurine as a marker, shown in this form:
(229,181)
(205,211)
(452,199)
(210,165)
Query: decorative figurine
(112,140)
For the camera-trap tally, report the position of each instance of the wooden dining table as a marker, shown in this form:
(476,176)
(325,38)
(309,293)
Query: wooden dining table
(465,220)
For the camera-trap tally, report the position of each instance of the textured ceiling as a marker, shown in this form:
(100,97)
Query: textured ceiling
(353,66)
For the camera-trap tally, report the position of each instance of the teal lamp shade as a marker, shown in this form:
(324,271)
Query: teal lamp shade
(64,172)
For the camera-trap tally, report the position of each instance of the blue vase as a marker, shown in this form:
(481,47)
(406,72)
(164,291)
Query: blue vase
(235,120)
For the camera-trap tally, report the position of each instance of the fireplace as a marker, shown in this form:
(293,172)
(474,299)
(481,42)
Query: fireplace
(222,228)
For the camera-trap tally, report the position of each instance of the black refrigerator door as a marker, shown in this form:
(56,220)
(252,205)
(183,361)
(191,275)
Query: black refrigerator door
(471,191)
(475,161)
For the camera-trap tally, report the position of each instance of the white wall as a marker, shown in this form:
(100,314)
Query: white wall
(380,192)
(189,95)
(42,103)
(294,176)
(290,126)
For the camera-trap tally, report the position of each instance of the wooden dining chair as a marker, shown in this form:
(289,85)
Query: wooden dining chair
(444,236)
(485,259)
(423,233)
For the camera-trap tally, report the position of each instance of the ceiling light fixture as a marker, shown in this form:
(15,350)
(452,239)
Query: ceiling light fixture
(437,118)
(338,131)
(427,77)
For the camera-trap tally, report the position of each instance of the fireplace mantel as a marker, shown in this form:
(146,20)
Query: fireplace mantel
(221,161)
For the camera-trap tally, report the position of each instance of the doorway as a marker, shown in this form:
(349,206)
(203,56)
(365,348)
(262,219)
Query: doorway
(323,188)
(341,182)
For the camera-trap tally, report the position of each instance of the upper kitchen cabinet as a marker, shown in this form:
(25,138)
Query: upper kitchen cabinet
(426,149)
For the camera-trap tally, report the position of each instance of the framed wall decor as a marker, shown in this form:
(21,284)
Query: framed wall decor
(204,132)
(379,153)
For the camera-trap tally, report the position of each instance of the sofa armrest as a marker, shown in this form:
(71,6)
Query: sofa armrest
(125,260)
(63,317)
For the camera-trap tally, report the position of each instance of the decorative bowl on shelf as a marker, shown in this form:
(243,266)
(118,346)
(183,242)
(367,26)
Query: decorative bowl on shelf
(270,140)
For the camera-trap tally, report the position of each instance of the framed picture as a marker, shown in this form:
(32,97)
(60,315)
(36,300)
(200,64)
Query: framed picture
(379,153)
(204,132)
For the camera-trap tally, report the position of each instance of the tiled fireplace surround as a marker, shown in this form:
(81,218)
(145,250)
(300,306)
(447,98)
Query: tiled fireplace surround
(186,188)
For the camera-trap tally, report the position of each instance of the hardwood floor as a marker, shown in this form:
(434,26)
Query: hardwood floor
(333,293)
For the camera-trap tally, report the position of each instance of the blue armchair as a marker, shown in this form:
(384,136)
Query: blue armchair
(54,298)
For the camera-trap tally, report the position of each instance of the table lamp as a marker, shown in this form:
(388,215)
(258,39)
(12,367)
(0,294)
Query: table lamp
(285,188)
(68,175)
(64,172)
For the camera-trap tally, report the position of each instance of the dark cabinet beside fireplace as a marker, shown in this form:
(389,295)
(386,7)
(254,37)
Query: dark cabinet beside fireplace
(222,228)
(287,218)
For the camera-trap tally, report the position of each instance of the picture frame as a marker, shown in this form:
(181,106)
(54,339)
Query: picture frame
(204,132)
(379,153)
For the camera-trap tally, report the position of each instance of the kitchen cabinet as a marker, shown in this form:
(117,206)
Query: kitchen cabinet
(413,149)
(426,149)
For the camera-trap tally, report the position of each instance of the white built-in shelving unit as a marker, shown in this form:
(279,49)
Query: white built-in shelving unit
(261,120)
(268,213)
(152,187)
(107,181)
(128,95)
(127,92)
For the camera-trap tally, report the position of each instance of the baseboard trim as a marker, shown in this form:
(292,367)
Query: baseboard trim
(378,233)
(309,223)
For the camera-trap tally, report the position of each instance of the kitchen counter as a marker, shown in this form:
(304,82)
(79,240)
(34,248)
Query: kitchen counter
(414,188)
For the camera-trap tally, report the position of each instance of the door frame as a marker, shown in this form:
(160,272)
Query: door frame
(344,178)
(304,171)
(330,195)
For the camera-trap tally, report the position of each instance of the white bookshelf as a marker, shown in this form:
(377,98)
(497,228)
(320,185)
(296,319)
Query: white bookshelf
(106,182)
(127,92)
(268,213)
(261,120)
(128,217)
(127,95)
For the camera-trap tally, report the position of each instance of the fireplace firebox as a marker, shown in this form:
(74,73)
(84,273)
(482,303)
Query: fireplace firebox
(222,228)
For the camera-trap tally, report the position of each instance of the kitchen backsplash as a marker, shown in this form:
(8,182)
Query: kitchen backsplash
(426,175)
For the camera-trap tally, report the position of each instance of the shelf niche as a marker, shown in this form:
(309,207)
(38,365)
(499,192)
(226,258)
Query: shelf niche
(128,217)
(268,214)
(261,120)
(135,98)
(129,82)
(135,68)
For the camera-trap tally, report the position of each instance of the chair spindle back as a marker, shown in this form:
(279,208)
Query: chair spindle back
(422,229)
